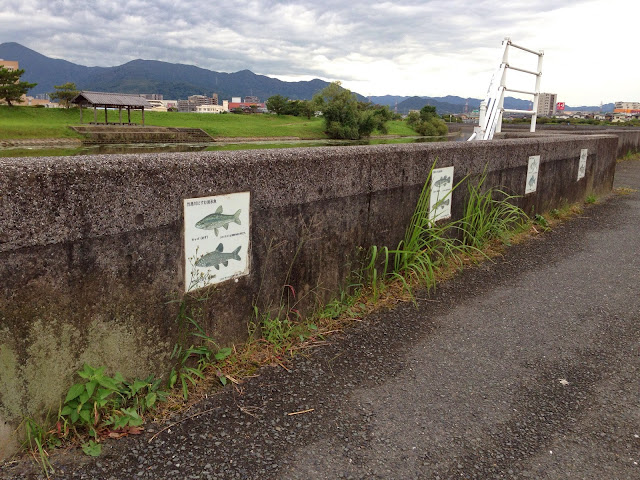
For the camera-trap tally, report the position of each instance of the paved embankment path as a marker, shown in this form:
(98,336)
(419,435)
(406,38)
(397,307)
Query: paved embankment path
(527,367)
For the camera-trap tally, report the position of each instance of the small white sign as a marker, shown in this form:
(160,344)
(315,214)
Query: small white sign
(532,174)
(441,188)
(582,167)
(216,239)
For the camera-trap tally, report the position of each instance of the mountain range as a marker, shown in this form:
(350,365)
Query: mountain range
(178,81)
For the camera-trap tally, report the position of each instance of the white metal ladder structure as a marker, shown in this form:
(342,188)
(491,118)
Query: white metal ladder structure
(492,108)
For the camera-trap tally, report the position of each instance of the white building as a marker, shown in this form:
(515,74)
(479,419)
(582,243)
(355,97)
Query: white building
(157,106)
(213,108)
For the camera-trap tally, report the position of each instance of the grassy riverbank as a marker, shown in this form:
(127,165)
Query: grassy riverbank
(28,122)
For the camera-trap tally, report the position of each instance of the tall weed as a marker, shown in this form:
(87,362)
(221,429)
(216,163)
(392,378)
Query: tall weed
(488,214)
(429,245)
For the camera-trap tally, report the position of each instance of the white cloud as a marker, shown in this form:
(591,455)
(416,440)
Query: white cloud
(402,47)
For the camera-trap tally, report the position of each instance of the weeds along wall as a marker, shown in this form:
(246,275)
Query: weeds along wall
(91,248)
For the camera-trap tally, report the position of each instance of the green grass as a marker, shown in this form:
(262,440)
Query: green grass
(28,122)
(400,127)
(232,125)
(488,214)
(430,246)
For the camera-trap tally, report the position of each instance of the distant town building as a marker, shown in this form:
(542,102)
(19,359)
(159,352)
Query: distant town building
(200,100)
(248,107)
(41,99)
(9,65)
(547,104)
(251,99)
(236,100)
(152,96)
(213,108)
(185,106)
(194,101)
(32,102)
(631,108)
(156,105)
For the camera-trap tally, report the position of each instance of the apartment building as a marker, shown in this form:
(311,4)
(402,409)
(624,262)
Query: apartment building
(630,108)
(547,104)
(192,102)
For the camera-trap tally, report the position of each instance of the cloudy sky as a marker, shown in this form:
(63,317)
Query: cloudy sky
(398,47)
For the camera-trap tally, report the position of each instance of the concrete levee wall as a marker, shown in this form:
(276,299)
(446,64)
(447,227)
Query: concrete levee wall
(628,137)
(91,248)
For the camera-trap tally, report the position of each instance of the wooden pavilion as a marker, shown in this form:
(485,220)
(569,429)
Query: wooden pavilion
(111,100)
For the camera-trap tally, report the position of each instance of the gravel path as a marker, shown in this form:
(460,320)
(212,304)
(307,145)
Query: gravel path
(526,367)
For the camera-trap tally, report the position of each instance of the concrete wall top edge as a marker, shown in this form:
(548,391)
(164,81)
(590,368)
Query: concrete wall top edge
(46,200)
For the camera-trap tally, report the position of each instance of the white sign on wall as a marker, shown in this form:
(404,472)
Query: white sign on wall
(441,188)
(532,174)
(216,239)
(582,167)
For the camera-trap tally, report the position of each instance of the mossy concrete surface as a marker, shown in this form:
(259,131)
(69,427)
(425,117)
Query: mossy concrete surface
(91,256)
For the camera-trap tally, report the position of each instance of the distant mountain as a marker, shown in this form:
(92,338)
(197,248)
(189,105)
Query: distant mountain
(173,81)
(452,105)
(391,100)
(178,81)
(607,107)
(45,71)
(388,100)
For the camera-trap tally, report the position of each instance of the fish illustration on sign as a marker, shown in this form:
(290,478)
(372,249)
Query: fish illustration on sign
(441,182)
(532,181)
(581,170)
(217,220)
(444,203)
(217,257)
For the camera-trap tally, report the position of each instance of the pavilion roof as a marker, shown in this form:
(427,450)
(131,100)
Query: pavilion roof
(106,99)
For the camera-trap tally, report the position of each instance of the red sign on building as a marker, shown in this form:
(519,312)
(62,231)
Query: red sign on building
(560,106)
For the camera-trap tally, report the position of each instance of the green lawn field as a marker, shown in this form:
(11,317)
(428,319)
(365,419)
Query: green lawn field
(29,122)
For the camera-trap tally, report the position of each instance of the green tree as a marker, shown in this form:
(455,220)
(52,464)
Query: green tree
(339,109)
(413,118)
(277,104)
(284,106)
(292,108)
(427,122)
(64,93)
(347,118)
(11,88)
(307,108)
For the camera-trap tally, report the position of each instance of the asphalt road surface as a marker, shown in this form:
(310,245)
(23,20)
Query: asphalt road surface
(527,367)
